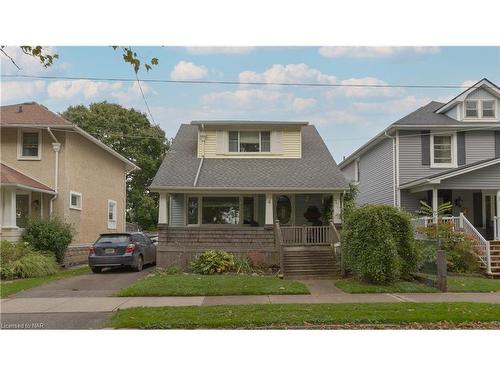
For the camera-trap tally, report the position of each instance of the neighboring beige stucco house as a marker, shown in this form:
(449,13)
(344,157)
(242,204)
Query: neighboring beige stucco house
(50,167)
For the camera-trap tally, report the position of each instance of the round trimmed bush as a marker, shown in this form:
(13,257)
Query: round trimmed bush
(378,244)
(49,235)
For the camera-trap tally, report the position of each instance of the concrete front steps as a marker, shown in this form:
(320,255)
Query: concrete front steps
(495,258)
(310,263)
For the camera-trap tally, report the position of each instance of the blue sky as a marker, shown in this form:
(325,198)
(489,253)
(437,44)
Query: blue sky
(345,117)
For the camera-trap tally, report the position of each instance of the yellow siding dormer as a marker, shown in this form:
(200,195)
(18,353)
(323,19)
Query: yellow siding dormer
(286,143)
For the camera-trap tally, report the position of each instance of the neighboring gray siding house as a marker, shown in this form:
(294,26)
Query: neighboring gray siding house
(440,152)
(223,185)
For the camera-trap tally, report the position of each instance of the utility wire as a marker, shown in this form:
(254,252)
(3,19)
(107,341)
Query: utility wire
(254,83)
(145,101)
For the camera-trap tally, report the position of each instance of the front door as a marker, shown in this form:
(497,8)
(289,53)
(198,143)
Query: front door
(490,212)
(22,209)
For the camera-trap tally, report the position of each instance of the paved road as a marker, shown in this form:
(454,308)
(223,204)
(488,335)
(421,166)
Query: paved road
(90,285)
(76,290)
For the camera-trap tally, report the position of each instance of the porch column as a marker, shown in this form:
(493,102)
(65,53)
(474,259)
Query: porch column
(497,221)
(163,209)
(337,208)
(9,208)
(269,209)
(434,204)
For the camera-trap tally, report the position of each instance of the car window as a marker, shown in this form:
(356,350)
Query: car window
(115,238)
(136,238)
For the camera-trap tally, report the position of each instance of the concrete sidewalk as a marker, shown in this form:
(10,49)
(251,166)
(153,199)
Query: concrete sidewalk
(109,304)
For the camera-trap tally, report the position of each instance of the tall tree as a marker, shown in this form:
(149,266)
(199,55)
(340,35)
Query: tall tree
(130,133)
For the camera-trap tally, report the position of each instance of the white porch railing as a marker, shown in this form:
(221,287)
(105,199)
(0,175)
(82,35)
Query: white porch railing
(462,224)
(306,235)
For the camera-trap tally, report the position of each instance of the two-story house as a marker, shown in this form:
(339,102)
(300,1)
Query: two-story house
(224,183)
(51,167)
(442,152)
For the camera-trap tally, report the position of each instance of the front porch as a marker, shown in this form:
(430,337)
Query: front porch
(21,198)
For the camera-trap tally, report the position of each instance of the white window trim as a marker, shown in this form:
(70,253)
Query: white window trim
(20,133)
(480,110)
(454,151)
(112,222)
(79,208)
(357,176)
(249,153)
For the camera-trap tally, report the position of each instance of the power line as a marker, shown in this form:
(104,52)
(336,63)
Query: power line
(254,83)
(145,101)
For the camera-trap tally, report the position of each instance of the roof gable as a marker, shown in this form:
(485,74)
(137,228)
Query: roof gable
(30,113)
(484,84)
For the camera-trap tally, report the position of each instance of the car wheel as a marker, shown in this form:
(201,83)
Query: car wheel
(140,264)
(96,269)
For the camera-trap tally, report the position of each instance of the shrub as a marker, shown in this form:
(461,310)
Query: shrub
(378,244)
(19,260)
(213,261)
(49,235)
(243,264)
(459,248)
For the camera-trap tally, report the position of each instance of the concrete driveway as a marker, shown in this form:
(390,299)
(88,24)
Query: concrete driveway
(103,284)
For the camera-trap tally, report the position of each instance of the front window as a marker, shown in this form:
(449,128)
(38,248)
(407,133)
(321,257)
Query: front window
(192,207)
(443,150)
(488,108)
(221,210)
(75,200)
(249,141)
(471,108)
(283,209)
(111,214)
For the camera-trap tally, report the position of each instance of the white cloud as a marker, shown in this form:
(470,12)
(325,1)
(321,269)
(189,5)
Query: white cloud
(374,52)
(357,90)
(88,89)
(469,83)
(219,50)
(303,104)
(404,105)
(132,92)
(287,74)
(187,70)
(21,90)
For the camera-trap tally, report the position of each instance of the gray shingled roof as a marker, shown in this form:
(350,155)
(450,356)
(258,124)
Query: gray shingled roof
(426,116)
(315,170)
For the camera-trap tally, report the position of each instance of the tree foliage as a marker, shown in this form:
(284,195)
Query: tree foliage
(130,133)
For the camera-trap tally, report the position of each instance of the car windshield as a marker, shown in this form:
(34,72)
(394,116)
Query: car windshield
(116,238)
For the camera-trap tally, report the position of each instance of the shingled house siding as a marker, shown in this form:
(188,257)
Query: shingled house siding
(376,175)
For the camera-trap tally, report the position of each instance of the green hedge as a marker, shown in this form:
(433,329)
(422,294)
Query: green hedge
(49,235)
(19,260)
(378,244)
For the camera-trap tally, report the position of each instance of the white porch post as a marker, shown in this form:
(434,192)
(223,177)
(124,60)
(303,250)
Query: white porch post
(269,209)
(336,213)
(434,204)
(497,221)
(163,209)
(9,208)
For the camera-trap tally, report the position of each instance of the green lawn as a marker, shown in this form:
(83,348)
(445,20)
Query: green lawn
(213,285)
(355,286)
(470,283)
(8,288)
(253,316)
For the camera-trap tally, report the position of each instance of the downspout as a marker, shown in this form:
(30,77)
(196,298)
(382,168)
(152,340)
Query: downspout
(203,137)
(56,146)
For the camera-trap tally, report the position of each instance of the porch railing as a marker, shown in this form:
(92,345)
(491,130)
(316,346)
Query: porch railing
(461,223)
(306,235)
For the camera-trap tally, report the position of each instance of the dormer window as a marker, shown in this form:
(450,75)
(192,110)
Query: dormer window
(488,109)
(471,109)
(249,141)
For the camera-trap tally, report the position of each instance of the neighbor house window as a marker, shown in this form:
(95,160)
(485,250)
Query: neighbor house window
(75,200)
(29,145)
(357,171)
(471,108)
(220,210)
(249,141)
(112,214)
(443,150)
(488,108)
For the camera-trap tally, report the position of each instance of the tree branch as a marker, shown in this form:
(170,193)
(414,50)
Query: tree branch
(10,58)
